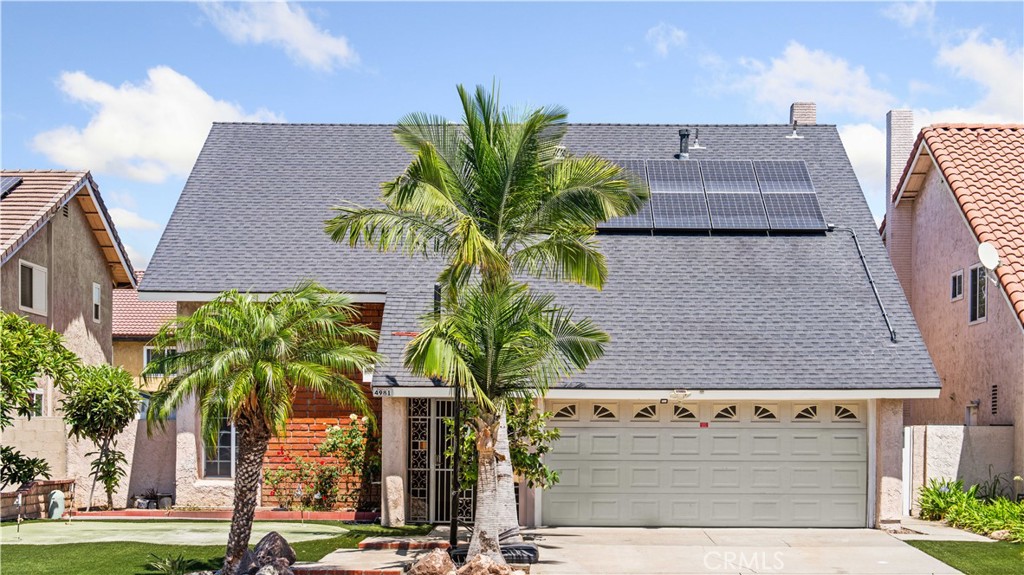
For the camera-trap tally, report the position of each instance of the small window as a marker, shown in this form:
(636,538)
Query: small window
(765,413)
(36,397)
(32,296)
(725,413)
(645,412)
(220,462)
(995,400)
(806,413)
(682,413)
(979,294)
(605,412)
(956,286)
(152,354)
(844,413)
(566,412)
(143,406)
(96,302)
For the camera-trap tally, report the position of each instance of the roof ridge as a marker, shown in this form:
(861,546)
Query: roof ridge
(967,126)
(38,171)
(610,124)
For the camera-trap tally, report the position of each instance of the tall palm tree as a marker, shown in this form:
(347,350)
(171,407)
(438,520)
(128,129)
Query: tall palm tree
(495,196)
(244,359)
(498,344)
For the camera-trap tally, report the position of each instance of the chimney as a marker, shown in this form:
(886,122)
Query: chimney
(899,139)
(803,113)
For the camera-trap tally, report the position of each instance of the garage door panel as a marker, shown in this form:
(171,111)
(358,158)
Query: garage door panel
(756,473)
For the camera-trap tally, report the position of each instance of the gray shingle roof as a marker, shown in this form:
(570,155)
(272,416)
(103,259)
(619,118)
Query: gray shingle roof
(698,312)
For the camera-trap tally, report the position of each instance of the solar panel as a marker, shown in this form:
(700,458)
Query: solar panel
(728,176)
(674,176)
(7,184)
(794,212)
(783,177)
(680,211)
(737,211)
(642,220)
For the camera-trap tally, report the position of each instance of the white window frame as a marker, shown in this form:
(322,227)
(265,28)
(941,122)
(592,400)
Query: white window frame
(97,300)
(234,458)
(41,394)
(145,357)
(972,297)
(953,277)
(38,292)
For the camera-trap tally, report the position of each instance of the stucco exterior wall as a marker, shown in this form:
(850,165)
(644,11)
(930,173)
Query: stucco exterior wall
(888,463)
(974,454)
(969,358)
(44,437)
(129,355)
(394,442)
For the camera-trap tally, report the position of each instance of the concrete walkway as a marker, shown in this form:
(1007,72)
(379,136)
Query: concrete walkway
(936,531)
(594,551)
(176,532)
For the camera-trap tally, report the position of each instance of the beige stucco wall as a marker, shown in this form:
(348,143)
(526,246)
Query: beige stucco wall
(67,248)
(394,441)
(190,488)
(129,355)
(968,358)
(888,463)
(974,454)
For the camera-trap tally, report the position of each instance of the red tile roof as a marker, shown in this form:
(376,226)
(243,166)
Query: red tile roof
(40,193)
(134,318)
(984,166)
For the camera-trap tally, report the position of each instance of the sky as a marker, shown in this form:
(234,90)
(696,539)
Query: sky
(129,90)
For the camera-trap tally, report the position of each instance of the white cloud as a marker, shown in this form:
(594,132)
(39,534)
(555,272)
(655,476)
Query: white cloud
(664,37)
(998,69)
(804,75)
(122,199)
(146,132)
(865,144)
(284,25)
(907,14)
(129,220)
(139,260)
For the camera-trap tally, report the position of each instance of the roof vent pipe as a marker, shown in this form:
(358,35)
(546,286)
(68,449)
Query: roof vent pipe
(696,140)
(684,144)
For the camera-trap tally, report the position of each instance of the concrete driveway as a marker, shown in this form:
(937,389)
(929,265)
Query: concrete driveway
(627,551)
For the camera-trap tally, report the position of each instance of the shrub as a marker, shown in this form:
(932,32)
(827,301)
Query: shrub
(947,500)
(939,496)
(17,468)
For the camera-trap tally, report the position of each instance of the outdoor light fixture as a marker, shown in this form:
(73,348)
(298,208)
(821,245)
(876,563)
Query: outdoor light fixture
(678,394)
(368,375)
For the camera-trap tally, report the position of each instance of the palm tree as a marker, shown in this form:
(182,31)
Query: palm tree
(498,344)
(244,359)
(497,195)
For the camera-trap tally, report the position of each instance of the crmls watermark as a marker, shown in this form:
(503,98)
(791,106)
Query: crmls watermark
(759,561)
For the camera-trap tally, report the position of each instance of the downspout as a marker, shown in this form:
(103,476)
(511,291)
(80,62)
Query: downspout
(871,280)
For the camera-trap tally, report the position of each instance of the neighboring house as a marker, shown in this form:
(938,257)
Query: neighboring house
(134,325)
(60,259)
(752,379)
(963,184)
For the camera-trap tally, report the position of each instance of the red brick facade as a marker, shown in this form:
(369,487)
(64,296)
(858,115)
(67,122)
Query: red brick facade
(311,416)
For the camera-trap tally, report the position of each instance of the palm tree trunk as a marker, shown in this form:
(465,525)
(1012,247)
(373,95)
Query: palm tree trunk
(252,446)
(507,509)
(487,520)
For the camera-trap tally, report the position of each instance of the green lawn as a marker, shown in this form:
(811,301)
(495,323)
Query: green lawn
(977,558)
(125,558)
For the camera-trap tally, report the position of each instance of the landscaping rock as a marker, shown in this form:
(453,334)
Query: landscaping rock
(484,565)
(394,502)
(271,548)
(1001,535)
(436,562)
(275,568)
(247,565)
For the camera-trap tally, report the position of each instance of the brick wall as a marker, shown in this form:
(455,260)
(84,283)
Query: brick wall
(312,414)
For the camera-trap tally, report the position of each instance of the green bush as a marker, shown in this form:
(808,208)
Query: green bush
(947,501)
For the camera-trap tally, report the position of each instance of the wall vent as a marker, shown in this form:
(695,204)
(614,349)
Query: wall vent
(995,400)
(64,210)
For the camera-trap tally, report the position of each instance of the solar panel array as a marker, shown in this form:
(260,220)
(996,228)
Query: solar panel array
(7,185)
(724,195)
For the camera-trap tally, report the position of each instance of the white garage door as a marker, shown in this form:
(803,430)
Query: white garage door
(708,464)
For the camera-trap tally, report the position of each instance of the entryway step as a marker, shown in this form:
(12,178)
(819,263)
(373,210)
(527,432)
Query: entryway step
(402,543)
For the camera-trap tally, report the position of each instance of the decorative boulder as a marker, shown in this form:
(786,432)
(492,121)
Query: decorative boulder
(271,548)
(484,565)
(1001,535)
(275,569)
(247,564)
(437,562)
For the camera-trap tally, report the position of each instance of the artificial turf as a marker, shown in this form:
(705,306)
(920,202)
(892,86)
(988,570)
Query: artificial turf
(130,558)
(977,557)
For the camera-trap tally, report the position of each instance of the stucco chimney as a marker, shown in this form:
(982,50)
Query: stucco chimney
(803,113)
(899,139)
